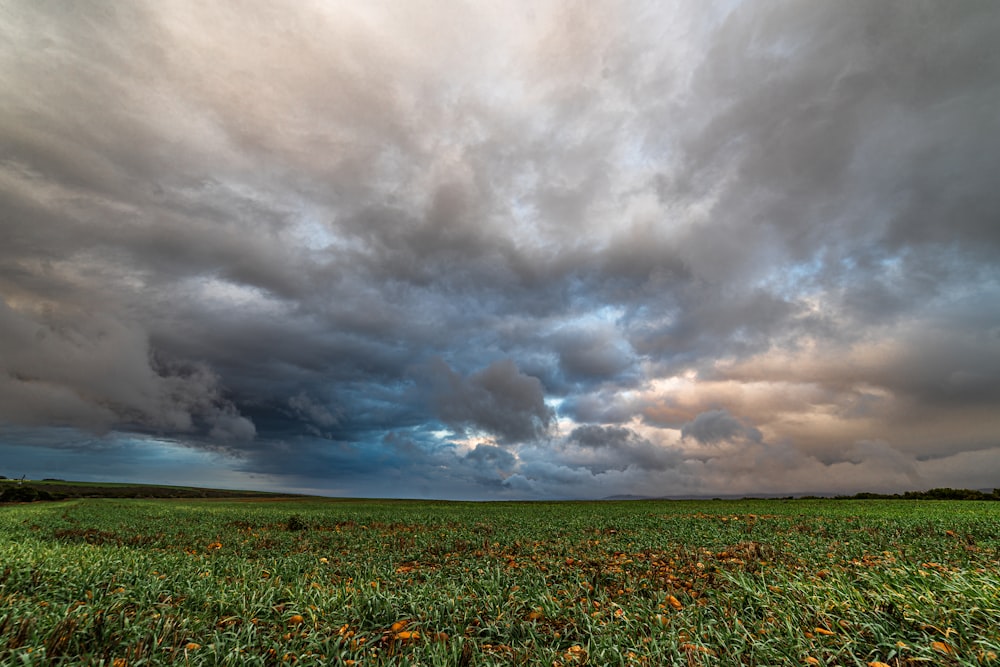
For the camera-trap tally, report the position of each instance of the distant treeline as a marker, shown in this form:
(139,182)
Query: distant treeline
(931,494)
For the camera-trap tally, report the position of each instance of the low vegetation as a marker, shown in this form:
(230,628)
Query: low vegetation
(310,581)
(930,494)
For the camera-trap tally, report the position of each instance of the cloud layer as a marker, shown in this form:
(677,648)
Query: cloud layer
(554,249)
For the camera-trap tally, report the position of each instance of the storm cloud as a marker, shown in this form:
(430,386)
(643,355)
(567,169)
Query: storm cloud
(550,249)
(499,400)
(717,426)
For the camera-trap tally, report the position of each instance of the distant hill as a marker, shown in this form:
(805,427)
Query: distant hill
(12,491)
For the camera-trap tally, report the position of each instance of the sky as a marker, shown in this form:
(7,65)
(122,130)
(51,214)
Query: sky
(491,250)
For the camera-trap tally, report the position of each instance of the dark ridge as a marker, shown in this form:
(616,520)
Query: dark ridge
(27,492)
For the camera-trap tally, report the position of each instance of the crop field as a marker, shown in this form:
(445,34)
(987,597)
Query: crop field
(319,581)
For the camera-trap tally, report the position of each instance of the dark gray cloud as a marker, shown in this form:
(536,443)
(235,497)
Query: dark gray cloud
(593,353)
(547,250)
(498,399)
(717,426)
(603,448)
(99,373)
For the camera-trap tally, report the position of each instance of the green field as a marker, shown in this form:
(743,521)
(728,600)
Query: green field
(317,581)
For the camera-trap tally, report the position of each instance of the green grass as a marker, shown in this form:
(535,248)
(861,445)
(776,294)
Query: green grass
(314,581)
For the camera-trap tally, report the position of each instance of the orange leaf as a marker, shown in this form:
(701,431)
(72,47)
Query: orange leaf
(877,664)
(694,648)
(191,646)
(407,635)
(399,625)
(674,602)
(296,619)
(811,660)
(823,631)
(941,647)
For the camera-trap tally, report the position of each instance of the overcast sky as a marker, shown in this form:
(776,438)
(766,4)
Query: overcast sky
(502,249)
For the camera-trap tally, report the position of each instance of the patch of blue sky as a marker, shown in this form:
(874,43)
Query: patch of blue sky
(311,232)
(793,281)
(608,314)
(591,318)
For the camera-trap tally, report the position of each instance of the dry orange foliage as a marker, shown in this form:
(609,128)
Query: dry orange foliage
(694,648)
(941,647)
